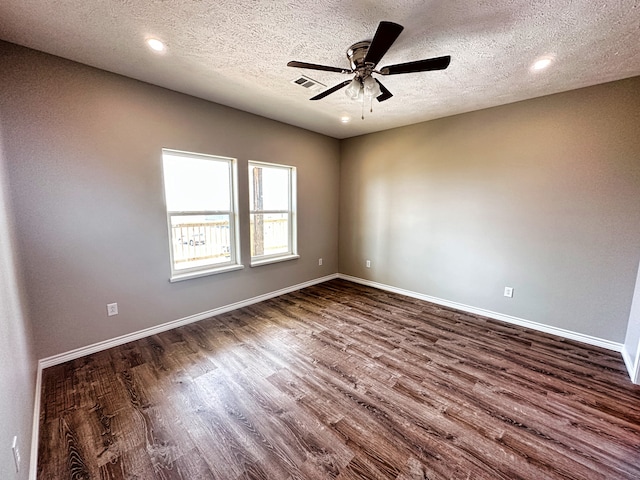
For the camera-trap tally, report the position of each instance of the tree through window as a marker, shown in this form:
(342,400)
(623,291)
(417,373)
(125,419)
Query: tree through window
(272,211)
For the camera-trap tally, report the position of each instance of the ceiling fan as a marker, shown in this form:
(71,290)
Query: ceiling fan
(364,57)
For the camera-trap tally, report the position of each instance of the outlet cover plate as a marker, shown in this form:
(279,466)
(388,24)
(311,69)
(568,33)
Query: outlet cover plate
(508,292)
(112,309)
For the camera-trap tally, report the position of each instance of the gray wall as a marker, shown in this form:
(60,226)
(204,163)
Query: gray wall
(83,150)
(542,196)
(17,363)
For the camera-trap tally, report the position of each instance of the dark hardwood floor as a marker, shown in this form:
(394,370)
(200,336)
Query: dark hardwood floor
(342,381)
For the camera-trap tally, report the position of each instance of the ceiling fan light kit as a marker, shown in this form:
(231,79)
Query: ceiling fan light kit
(360,89)
(364,57)
(354,90)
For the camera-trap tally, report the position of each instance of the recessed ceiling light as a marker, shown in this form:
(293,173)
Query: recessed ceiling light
(345,119)
(155,45)
(542,63)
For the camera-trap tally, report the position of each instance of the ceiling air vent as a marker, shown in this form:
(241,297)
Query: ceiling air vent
(308,83)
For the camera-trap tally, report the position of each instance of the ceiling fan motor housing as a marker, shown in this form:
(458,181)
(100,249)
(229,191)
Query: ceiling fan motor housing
(356,55)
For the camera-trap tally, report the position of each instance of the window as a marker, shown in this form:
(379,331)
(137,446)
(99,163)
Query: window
(200,199)
(272,209)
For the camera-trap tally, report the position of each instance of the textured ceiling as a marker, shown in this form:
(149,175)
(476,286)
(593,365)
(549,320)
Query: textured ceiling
(235,52)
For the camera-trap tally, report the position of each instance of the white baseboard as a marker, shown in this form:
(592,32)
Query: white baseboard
(97,347)
(35,427)
(130,337)
(628,363)
(633,369)
(580,337)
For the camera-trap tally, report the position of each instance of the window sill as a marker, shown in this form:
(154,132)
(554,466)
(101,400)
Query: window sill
(267,261)
(204,273)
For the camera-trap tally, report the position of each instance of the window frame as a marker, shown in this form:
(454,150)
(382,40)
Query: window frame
(234,262)
(292,234)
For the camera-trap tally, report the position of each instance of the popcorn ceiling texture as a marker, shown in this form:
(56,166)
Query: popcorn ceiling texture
(235,52)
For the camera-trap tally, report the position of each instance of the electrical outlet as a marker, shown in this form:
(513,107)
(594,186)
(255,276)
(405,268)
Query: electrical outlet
(320,262)
(368,264)
(16,453)
(508,292)
(112,309)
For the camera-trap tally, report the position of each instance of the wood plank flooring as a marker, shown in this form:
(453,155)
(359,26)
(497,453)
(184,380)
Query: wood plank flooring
(342,381)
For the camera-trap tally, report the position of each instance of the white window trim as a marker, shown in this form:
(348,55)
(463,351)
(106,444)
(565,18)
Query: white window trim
(292,254)
(205,273)
(274,259)
(234,260)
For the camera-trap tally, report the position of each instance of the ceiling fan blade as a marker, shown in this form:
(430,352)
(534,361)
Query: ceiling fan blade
(331,90)
(386,34)
(313,66)
(385,95)
(438,63)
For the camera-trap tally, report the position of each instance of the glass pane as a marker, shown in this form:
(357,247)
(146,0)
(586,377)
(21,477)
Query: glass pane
(200,240)
(269,188)
(193,184)
(269,234)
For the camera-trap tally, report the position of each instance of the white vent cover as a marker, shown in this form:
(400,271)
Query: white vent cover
(308,83)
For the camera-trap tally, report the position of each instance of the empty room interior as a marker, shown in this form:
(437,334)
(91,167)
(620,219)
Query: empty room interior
(319,240)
